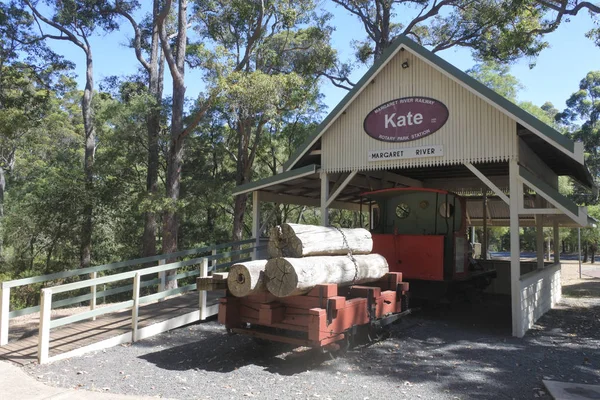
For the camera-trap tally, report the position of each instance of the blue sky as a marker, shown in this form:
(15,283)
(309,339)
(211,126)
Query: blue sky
(555,76)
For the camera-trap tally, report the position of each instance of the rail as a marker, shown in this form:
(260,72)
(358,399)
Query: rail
(91,274)
(46,323)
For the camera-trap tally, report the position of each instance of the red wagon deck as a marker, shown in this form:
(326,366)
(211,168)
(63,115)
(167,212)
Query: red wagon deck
(325,315)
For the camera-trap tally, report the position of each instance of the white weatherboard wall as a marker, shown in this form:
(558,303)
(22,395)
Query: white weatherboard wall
(540,291)
(475,131)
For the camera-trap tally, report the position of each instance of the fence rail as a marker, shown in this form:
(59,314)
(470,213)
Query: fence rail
(91,280)
(46,323)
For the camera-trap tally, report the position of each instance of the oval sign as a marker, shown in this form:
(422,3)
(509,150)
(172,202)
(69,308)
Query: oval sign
(406,119)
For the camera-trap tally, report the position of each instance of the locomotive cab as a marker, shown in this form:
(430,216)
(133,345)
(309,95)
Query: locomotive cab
(423,234)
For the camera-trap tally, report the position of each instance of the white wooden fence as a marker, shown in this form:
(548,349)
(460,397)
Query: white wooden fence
(134,283)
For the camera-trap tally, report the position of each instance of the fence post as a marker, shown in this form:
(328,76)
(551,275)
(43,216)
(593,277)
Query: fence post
(202,293)
(4,310)
(44,330)
(93,275)
(136,306)
(214,260)
(162,275)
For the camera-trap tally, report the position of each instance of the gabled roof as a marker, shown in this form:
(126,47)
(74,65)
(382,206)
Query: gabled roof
(573,151)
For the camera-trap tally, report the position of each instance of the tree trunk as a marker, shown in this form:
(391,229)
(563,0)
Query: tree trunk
(239,210)
(294,240)
(175,155)
(585,252)
(174,164)
(297,276)
(153,126)
(245,160)
(90,149)
(247,278)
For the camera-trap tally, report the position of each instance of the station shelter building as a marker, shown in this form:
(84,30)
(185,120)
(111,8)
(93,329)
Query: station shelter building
(414,120)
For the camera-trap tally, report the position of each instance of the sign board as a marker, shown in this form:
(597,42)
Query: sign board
(406,119)
(435,150)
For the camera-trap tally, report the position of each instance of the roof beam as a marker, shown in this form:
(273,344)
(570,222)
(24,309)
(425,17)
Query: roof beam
(488,182)
(339,186)
(275,179)
(305,201)
(395,178)
(577,214)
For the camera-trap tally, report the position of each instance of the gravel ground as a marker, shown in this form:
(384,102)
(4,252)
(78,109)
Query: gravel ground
(463,352)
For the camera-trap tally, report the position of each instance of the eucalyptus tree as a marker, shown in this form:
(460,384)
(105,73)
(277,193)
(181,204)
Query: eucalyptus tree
(146,40)
(42,216)
(271,55)
(28,71)
(76,21)
(174,47)
(498,78)
(582,117)
(502,30)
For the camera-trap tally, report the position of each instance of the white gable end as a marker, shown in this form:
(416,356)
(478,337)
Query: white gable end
(474,132)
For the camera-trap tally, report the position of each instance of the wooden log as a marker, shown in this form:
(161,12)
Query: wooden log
(297,276)
(296,240)
(208,283)
(247,278)
(220,276)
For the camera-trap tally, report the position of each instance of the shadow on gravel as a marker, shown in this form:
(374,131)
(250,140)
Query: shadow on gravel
(465,349)
(478,356)
(590,289)
(217,351)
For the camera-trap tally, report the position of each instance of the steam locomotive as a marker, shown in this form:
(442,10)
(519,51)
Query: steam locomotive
(423,234)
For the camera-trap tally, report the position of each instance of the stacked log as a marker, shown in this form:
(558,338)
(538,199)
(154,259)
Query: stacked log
(296,240)
(247,278)
(217,281)
(304,256)
(296,276)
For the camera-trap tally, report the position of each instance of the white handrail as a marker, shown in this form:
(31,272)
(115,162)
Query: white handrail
(46,297)
(5,287)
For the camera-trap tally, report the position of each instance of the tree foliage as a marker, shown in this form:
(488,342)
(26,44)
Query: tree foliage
(177,158)
(501,30)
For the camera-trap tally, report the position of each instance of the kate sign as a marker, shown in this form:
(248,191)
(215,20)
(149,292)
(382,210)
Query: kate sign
(406,119)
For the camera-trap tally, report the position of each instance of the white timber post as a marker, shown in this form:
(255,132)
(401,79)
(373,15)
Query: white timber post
(515,251)
(255,222)
(214,260)
(539,234)
(4,311)
(555,230)
(202,293)
(93,275)
(579,249)
(162,275)
(44,330)
(484,245)
(324,198)
(135,310)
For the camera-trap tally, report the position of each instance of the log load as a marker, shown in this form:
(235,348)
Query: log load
(297,276)
(247,278)
(296,240)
